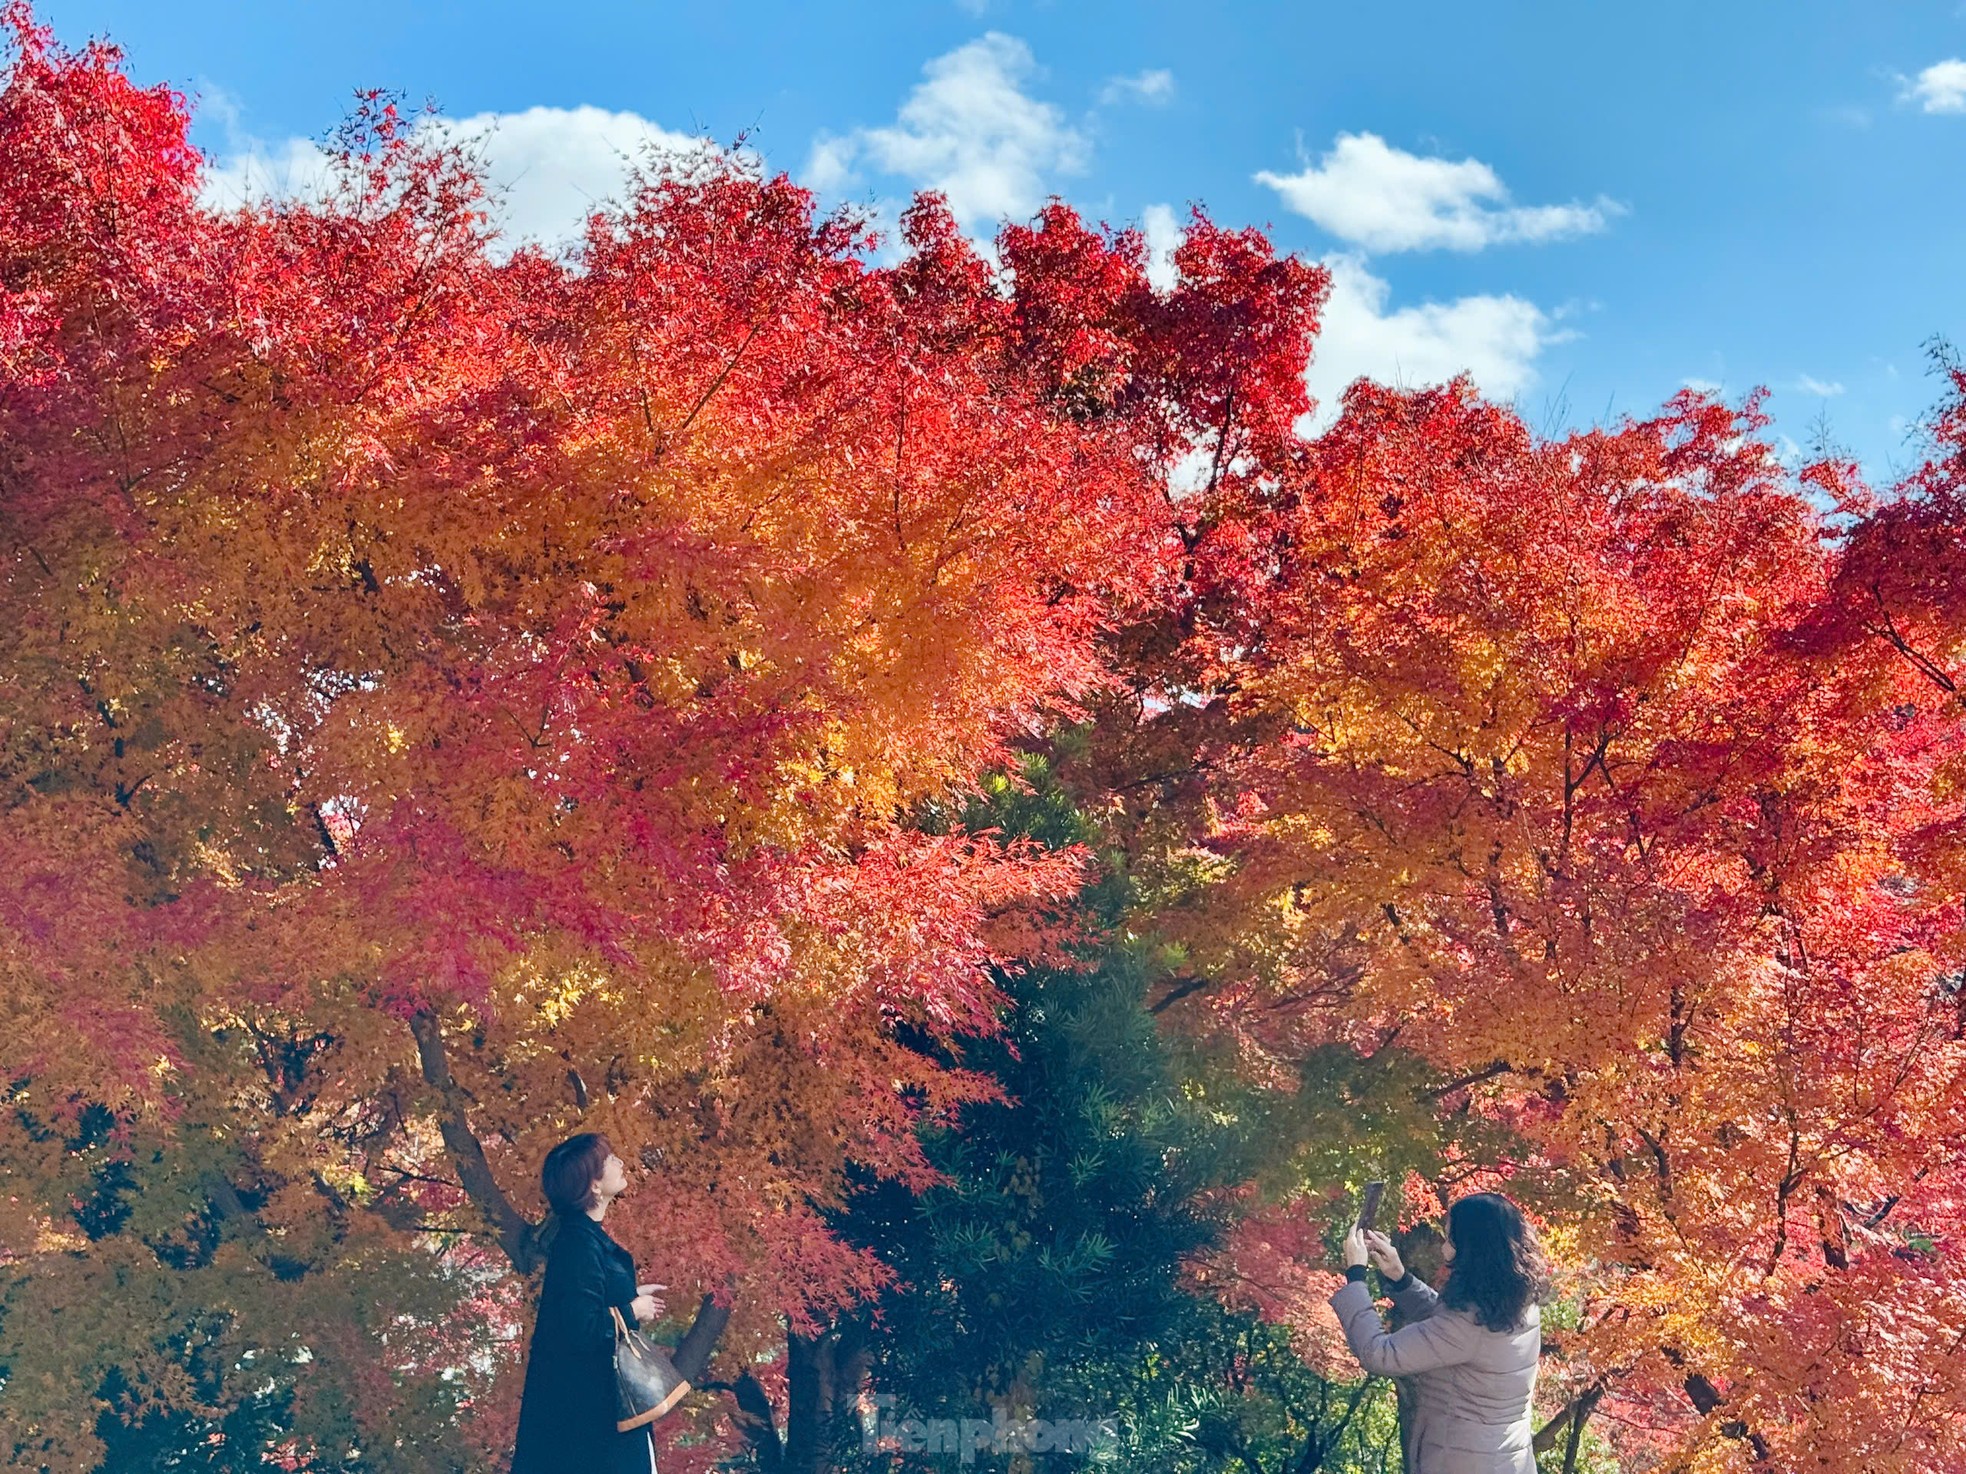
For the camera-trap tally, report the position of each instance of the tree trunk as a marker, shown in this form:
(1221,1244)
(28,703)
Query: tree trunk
(692,1356)
(808,1401)
(824,1375)
(754,1420)
(1580,1415)
(518,1236)
(1405,1400)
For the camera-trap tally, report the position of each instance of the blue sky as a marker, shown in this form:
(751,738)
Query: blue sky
(1587,205)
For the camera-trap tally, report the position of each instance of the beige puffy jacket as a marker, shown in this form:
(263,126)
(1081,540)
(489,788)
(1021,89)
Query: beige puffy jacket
(1473,1386)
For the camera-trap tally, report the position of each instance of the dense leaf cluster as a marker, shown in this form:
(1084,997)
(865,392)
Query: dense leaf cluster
(1002,830)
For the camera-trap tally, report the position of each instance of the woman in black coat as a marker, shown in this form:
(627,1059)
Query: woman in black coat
(566,1418)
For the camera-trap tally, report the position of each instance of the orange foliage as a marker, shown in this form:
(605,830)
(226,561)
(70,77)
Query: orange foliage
(1562,763)
(449,702)
(445,702)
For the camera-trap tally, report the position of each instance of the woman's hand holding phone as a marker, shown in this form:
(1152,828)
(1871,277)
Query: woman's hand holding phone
(1385,1258)
(1355,1250)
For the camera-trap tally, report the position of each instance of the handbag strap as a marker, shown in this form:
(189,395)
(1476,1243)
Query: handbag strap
(620,1325)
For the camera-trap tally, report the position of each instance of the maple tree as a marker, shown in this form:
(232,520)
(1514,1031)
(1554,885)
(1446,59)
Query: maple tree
(1618,780)
(448,699)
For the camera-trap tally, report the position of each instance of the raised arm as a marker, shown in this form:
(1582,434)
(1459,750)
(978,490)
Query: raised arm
(1413,1297)
(1424,1346)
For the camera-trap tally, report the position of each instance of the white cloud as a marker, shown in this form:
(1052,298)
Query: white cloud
(1821,388)
(1495,340)
(969,130)
(829,169)
(555,166)
(548,168)
(296,169)
(1153,88)
(214,101)
(1382,198)
(1163,233)
(1940,88)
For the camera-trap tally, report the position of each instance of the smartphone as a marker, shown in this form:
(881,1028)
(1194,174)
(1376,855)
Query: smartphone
(1368,1203)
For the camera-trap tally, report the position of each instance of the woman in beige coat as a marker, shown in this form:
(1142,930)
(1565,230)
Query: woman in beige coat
(1471,1350)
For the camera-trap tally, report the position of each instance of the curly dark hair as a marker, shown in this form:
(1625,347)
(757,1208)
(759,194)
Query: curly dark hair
(1499,1269)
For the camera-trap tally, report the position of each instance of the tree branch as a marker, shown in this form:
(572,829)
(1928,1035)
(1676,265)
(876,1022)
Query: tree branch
(1706,1398)
(1579,1406)
(692,1356)
(715,384)
(1581,1416)
(1175,994)
(1461,1082)
(518,1236)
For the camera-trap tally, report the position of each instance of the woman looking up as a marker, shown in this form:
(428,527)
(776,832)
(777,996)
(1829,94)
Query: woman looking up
(567,1412)
(1472,1350)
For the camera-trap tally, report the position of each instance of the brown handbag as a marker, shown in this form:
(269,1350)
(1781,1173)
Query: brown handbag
(646,1382)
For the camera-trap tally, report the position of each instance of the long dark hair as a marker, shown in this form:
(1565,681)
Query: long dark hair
(571,1169)
(1499,1268)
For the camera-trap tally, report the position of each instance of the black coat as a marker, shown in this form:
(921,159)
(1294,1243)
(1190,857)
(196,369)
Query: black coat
(566,1420)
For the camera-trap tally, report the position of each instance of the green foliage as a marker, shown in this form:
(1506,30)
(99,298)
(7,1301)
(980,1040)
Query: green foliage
(1043,1278)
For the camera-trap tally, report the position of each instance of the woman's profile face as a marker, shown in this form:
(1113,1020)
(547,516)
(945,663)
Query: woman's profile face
(613,1180)
(1447,1249)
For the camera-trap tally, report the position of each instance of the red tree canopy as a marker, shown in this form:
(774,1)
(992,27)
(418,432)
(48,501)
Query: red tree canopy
(449,701)
(1620,776)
